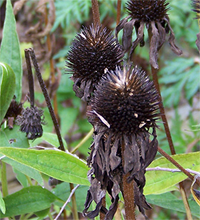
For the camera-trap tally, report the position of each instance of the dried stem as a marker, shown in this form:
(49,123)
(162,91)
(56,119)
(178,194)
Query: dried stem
(53,79)
(46,96)
(118,11)
(162,111)
(95,12)
(30,77)
(175,163)
(128,192)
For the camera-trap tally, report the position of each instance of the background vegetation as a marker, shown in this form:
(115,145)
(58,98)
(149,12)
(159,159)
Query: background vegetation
(49,27)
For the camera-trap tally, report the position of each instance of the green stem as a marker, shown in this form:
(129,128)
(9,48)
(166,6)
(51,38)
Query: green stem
(74,206)
(4,179)
(50,216)
(29,180)
(82,141)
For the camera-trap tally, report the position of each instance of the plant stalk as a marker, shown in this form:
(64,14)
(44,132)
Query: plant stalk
(95,13)
(47,98)
(74,206)
(4,184)
(118,11)
(128,192)
(30,77)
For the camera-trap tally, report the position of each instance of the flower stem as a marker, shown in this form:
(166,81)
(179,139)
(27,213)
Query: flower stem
(4,179)
(82,141)
(95,12)
(175,163)
(30,77)
(162,111)
(46,96)
(118,11)
(74,206)
(128,192)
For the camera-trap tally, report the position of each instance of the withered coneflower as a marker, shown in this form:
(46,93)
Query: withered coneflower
(31,122)
(153,14)
(93,51)
(123,111)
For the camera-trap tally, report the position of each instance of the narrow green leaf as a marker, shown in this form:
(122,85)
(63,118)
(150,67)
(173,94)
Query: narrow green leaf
(169,201)
(28,200)
(57,164)
(2,204)
(28,171)
(10,48)
(13,138)
(159,181)
(7,88)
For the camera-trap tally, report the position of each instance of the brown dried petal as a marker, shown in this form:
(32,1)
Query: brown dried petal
(153,51)
(198,41)
(140,37)
(127,35)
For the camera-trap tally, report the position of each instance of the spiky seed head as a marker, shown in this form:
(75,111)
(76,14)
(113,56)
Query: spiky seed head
(93,50)
(147,10)
(125,101)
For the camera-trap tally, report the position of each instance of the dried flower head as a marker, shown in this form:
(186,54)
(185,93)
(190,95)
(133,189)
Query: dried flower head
(153,14)
(123,109)
(93,51)
(31,122)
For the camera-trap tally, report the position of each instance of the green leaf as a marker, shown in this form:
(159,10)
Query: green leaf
(13,138)
(159,181)
(49,138)
(32,173)
(2,204)
(63,191)
(169,201)
(7,88)
(57,164)
(28,200)
(10,48)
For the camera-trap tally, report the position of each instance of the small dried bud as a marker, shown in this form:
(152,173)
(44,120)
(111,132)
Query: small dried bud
(93,52)
(14,109)
(31,122)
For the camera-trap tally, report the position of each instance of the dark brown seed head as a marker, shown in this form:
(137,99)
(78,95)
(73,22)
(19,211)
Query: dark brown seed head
(126,101)
(93,50)
(31,122)
(147,10)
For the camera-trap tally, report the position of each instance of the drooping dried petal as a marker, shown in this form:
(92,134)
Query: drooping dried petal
(93,51)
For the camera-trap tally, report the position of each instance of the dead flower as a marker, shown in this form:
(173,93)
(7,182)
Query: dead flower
(123,109)
(93,51)
(153,14)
